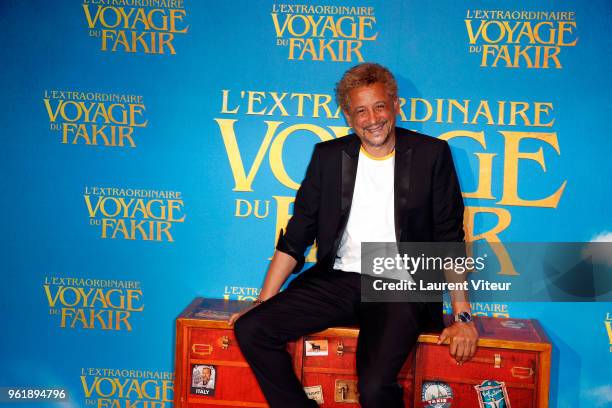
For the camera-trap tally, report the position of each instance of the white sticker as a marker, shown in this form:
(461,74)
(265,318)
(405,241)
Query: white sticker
(512,324)
(316,347)
(315,392)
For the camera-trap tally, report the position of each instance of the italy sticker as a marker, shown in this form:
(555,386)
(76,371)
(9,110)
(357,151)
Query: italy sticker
(203,379)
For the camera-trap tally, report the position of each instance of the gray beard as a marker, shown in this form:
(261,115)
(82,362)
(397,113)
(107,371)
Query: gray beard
(374,144)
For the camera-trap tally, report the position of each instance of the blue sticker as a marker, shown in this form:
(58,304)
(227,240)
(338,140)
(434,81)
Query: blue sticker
(492,394)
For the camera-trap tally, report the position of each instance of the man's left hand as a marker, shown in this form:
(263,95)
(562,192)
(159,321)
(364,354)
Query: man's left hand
(462,338)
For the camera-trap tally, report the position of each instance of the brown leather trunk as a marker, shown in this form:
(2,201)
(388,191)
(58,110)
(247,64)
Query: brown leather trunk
(513,355)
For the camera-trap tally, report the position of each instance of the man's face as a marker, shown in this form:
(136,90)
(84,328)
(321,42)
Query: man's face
(372,115)
(205,375)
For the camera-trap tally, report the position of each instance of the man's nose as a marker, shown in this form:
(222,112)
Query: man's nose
(371,117)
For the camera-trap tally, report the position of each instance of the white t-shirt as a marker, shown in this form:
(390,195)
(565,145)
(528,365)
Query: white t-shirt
(371,217)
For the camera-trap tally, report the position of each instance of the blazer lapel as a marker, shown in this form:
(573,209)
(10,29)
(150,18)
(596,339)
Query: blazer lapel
(403,164)
(350,159)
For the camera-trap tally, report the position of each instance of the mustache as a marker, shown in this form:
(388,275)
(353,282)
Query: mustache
(376,125)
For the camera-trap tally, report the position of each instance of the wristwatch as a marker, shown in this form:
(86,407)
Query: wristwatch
(463,317)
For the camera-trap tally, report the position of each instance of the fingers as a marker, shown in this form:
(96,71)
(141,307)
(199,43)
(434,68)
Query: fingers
(465,354)
(443,336)
(471,344)
(463,342)
(453,347)
(236,316)
(460,350)
(466,349)
(472,350)
(233,318)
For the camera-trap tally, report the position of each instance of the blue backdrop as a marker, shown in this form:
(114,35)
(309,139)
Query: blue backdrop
(152,149)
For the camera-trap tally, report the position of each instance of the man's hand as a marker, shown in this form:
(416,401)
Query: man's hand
(235,316)
(462,339)
(280,268)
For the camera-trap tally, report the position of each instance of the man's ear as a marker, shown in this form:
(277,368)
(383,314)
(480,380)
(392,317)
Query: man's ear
(347,117)
(396,106)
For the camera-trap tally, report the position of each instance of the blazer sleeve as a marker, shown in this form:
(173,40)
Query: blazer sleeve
(447,200)
(302,227)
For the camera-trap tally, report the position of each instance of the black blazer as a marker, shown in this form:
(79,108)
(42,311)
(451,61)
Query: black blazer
(428,202)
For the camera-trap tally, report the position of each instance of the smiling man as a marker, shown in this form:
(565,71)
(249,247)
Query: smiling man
(380,184)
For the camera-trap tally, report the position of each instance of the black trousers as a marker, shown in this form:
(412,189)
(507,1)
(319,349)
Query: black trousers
(314,301)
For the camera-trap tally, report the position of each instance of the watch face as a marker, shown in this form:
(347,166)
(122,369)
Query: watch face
(465,317)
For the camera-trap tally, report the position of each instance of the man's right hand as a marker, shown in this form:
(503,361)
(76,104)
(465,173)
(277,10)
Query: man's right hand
(235,316)
(280,268)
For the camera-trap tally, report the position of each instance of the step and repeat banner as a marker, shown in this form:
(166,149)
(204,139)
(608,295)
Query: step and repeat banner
(152,150)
